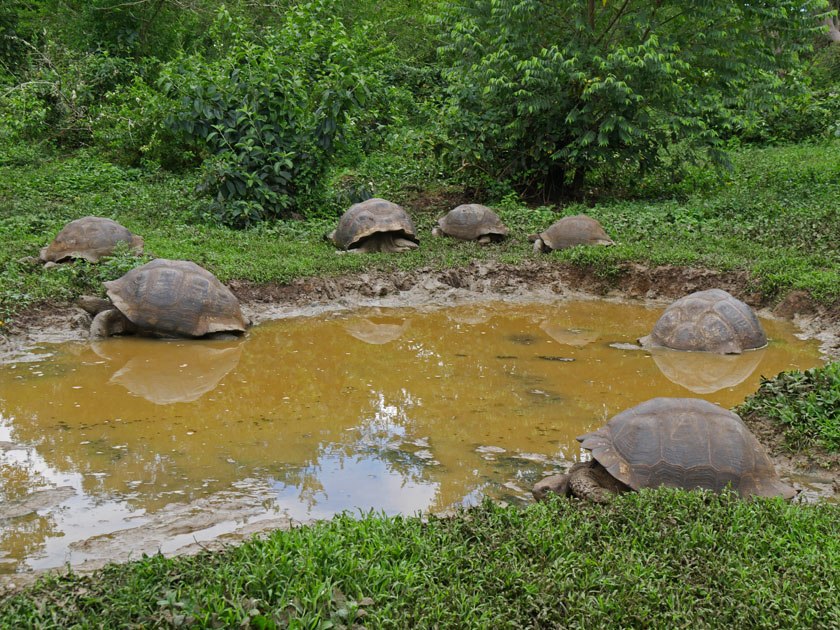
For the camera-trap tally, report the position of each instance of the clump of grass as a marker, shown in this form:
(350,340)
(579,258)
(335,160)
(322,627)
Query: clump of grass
(654,559)
(805,403)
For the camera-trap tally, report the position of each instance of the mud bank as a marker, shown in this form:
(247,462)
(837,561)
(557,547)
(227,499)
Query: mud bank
(549,281)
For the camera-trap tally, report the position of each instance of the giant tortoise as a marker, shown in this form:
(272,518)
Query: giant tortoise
(165,298)
(708,321)
(375,225)
(471,222)
(673,442)
(570,231)
(89,238)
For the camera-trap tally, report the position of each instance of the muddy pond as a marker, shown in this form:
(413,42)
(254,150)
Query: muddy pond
(113,448)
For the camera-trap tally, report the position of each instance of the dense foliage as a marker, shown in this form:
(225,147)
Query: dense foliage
(268,112)
(545,92)
(271,99)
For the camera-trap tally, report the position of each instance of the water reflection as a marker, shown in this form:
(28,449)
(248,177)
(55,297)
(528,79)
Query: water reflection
(470,314)
(706,372)
(165,372)
(376,329)
(561,333)
(396,410)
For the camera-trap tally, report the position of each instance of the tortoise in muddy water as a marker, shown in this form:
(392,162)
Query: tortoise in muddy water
(90,238)
(472,222)
(708,321)
(570,231)
(673,442)
(165,298)
(375,225)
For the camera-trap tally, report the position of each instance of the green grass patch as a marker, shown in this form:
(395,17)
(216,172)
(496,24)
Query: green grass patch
(775,216)
(657,559)
(805,403)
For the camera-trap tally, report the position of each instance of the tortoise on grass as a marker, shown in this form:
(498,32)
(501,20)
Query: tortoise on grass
(375,225)
(90,238)
(570,231)
(472,222)
(165,298)
(708,321)
(673,442)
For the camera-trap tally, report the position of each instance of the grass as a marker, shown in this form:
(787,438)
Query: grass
(657,559)
(805,404)
(775,216)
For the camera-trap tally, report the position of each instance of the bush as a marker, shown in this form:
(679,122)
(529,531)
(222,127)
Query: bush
(58,96)
(268,112)
(543,93)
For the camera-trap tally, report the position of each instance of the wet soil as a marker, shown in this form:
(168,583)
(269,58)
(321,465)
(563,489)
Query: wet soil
(478,282)
(56,322)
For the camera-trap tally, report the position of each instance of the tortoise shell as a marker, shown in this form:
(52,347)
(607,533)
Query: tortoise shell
(578,229)
(176,297)
(470,221)
(89,238)
(684,443)
(708,321)
(370,217)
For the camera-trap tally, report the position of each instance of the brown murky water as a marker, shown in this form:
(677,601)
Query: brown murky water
(395,410)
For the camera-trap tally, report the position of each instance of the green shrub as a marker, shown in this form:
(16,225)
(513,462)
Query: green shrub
(543,93)
(56,100)
(268,112)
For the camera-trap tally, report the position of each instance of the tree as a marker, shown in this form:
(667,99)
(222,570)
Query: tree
(832,21)
(544,91)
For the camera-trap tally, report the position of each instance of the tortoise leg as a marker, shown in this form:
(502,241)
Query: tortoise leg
(436,231)
(555,484)
(94,305)
(484,240)
(584,482)
(538,245)
(110,322)
(403,245)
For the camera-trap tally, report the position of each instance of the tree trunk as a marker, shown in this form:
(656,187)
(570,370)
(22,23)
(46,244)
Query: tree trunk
(833,28)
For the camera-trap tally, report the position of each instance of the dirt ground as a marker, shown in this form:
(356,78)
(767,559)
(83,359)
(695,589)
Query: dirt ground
(818,473)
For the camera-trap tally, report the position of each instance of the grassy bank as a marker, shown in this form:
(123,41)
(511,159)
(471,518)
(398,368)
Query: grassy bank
(659,559)
(804,409)
(776,215)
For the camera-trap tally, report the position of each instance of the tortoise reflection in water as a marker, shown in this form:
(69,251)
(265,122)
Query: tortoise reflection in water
(377,331)
(673,442)
(166,372)
(706,372)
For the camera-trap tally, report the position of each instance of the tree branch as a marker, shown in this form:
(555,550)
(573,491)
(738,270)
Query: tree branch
(612,23)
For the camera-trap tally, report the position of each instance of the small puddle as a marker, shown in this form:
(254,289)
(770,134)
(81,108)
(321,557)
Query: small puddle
(127,446)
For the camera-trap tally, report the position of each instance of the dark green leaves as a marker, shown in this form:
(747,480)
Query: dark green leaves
(270,111)
(542,93)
